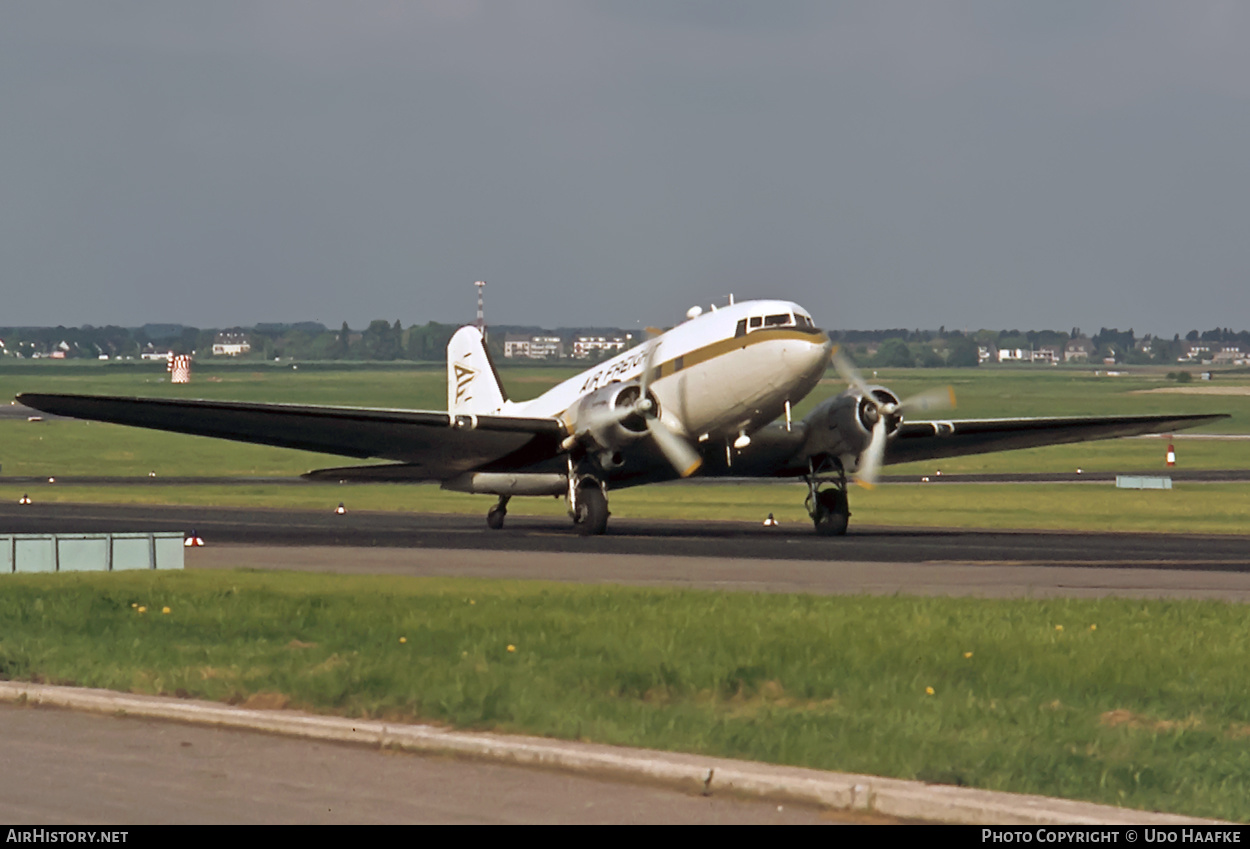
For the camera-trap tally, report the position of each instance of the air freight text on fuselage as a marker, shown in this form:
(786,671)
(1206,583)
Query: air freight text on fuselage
(613,372)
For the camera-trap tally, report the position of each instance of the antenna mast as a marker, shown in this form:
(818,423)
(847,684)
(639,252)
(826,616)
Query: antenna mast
(481,311)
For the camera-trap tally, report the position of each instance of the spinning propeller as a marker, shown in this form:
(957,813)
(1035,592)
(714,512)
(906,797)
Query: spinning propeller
(683,458)
(938,398)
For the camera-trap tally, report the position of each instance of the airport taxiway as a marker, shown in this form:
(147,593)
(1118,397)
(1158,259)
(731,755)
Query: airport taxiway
(715,555)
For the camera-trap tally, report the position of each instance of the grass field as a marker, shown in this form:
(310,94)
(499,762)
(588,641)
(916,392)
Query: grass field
(1140,704)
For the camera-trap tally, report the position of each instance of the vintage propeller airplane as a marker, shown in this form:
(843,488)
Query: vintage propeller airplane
(712,396)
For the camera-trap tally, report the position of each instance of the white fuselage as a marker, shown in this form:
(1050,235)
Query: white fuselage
(723,373)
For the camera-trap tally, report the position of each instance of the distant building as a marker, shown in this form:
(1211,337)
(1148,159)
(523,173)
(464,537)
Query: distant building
(587,345)
(1014,355)
(1046,354)
(1079,350)
(538,347)
(231,344)
(1195,352)
(516,346)
(150,353)
(1231,355)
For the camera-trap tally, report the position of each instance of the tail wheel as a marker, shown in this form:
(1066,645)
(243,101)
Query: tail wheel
(592,510)
(833,512)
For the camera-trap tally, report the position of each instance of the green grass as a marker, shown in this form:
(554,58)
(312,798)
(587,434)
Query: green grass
(1187,508)
(1140,704)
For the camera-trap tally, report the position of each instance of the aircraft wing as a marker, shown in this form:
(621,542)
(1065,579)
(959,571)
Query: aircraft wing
(779,452)
(937,439)
(427,445)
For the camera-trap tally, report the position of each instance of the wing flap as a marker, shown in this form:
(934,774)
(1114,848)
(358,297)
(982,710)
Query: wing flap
(937,439)
(439,443)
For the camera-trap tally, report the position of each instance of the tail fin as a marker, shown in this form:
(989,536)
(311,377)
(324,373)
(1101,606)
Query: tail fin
(473,385)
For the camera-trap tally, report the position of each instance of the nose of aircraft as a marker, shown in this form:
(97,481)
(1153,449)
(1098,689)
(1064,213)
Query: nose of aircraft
(819,352)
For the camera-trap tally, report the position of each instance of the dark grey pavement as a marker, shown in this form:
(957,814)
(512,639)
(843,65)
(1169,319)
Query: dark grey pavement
(720,540)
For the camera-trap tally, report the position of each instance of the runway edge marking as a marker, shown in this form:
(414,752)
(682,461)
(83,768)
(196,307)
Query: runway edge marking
(696,773)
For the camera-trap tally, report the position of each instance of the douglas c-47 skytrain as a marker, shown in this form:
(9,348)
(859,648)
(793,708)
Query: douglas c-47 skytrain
(712,397)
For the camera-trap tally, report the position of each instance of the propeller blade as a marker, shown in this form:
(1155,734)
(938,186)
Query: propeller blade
(647,367)
(678,452)
(849,373)
(873,456)
(937,398)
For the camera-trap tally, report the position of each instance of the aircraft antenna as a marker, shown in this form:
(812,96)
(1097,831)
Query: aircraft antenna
(481,311)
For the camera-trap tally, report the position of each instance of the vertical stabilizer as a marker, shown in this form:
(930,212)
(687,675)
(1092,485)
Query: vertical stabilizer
(473,385)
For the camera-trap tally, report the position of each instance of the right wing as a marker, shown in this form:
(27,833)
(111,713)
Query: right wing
(937,439)
(426,445)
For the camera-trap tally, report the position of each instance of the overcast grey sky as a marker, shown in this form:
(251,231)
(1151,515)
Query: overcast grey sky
(612,162)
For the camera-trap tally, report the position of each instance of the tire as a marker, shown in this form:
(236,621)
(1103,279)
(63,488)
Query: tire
(592,510)
(833,513)
(495,517)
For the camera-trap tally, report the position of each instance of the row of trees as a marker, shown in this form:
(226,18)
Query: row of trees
(381,340)
(387,341)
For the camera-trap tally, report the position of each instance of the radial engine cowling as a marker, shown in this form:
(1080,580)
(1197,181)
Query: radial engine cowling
(842,426)
(606,419)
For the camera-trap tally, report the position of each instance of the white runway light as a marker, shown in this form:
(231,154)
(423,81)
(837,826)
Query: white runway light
(340,510)
(770,522)
(192,540)
(25,499)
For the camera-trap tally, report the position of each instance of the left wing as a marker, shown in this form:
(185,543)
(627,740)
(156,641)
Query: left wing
(429,445)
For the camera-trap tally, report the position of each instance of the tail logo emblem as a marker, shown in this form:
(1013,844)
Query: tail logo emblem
(464,377)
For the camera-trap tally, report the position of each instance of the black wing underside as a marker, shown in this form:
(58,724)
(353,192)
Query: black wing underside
(425,445)
(936,440)
(778,452)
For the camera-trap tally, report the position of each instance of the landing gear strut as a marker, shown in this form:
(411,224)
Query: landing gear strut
(829,508)
(495,516)
(588,502)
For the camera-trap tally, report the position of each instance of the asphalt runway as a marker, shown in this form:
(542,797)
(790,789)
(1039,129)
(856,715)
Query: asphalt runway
(722,555)
(1179,476)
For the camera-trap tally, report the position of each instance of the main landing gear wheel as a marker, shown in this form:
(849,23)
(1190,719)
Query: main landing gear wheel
(591,513)
(832,514)
(829,508)
(496,514)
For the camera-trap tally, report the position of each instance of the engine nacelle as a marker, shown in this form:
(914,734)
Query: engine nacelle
(842,426)
(601,422)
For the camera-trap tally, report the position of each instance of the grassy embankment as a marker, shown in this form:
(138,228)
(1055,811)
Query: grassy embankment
(1141,704)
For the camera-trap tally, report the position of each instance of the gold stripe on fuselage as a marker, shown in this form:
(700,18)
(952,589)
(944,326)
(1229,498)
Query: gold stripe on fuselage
(724,346)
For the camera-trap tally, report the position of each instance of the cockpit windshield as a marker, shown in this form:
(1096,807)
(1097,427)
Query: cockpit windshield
(759,322)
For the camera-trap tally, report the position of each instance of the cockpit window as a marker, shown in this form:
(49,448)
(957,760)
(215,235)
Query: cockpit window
(779,320)
(756,321)
(803,320)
